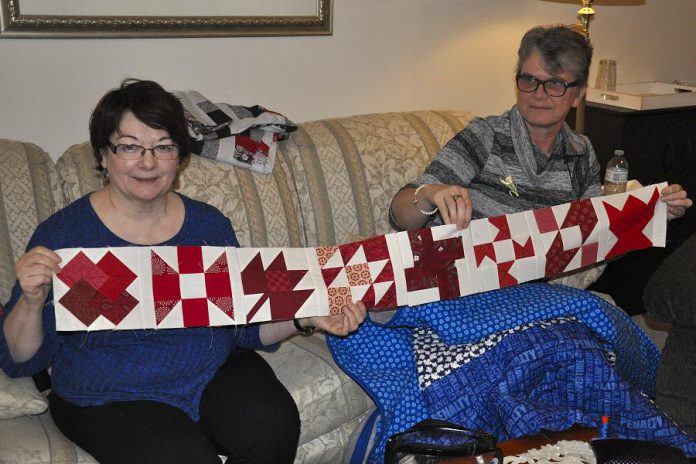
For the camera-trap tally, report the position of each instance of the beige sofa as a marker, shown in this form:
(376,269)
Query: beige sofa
(332,182)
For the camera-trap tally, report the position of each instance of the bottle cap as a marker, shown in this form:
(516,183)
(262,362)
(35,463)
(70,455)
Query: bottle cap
(618,152)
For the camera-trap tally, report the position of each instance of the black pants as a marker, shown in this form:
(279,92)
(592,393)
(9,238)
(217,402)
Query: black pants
(246,414)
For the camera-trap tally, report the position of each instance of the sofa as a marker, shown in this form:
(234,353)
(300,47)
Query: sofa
(332,183)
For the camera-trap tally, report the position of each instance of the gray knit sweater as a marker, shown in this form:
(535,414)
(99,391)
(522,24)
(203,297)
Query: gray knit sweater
(492,148)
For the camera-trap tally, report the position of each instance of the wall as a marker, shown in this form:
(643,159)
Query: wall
(384,55)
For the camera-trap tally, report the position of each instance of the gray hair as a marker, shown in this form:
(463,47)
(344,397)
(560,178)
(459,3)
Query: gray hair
(561,48)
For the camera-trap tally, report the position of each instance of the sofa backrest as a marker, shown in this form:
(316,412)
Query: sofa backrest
(263,208)
(29,193)
(346,170)
(332,182)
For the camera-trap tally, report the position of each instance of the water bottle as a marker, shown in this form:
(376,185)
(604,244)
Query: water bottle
(616,175)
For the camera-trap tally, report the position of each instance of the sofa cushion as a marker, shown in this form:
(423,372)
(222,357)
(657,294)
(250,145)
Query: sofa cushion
(37,440)
(326,397)
(19,397)
(29,193)
(348,169)
(263,208)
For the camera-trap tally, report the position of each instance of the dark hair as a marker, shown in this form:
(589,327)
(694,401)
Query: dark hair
(561,48)
(148,102)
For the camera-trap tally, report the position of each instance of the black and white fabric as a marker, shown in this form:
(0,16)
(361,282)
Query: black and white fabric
(244,136)
(435,359)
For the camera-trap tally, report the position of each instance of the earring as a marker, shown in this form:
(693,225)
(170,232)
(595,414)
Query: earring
(105,176)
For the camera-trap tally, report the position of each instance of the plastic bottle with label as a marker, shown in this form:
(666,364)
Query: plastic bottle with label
(616,175)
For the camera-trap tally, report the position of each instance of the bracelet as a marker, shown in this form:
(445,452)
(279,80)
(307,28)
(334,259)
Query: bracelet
(415,203)
(303,330)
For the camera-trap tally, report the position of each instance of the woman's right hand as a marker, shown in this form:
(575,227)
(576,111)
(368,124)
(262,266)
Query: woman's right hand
(35,273)
(453,202)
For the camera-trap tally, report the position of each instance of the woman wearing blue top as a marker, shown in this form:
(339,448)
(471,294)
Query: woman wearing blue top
(146,396)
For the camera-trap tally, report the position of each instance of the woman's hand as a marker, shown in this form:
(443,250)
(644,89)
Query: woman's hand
(453,202)
(339,324)
(677,201)
(35,273)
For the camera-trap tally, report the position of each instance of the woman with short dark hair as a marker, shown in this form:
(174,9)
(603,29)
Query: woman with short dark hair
(150,396)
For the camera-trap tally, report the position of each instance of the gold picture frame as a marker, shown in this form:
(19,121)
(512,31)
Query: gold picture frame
(163,24)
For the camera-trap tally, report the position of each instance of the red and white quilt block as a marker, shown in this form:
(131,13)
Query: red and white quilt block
(431,260)
(96,289)
(201,286)
(191,287)
(358,271)
(280,284)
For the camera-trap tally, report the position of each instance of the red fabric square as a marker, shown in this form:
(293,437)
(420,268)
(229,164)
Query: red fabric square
(166,287)
(217,285)
(120,277)
(82,268)
(83,301)
(545,219)
(195,311)
(278,280)
(190,259)
(116,310)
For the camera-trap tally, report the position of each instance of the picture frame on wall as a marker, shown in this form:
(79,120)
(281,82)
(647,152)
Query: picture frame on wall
(163,18)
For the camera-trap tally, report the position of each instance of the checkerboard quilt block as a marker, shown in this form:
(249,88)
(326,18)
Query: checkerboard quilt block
(201,286)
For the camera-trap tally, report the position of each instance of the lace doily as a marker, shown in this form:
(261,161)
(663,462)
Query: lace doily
(564,451)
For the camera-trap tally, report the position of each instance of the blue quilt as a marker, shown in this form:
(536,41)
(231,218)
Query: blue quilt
(511,362)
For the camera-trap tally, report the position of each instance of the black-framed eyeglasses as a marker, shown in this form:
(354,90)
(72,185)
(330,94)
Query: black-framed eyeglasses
(553,87)
(433,441)
(131,151)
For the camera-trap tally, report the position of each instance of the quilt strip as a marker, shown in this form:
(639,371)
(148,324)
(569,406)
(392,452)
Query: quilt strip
(201,286)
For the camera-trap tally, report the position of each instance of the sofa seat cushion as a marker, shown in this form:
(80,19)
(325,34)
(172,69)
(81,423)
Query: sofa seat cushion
(37,440)
(326,397)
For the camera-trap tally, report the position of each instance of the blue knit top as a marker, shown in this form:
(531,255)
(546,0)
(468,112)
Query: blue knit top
(172,366)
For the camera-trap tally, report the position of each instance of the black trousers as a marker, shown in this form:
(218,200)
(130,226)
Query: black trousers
(246,414)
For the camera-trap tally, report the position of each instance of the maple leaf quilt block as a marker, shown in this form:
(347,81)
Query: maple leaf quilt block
(358,271)
(635,220)
(191,286)
(97,290)
(281,284)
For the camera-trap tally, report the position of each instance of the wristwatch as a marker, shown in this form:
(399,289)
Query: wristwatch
(309,330)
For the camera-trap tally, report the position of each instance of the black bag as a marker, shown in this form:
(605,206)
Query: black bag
(434,441)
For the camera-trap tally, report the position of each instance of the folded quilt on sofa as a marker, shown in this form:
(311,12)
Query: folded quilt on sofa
(244,136)
(510,362)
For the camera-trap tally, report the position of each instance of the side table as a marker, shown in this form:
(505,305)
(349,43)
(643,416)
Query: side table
(659,145)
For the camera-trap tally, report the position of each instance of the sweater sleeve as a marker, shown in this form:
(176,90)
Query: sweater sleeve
(42,357)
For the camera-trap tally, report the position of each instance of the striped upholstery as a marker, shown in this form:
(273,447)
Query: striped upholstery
(29,193)
(346,170)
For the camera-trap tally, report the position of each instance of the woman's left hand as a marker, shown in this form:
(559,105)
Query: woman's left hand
(340,324)
(677,201)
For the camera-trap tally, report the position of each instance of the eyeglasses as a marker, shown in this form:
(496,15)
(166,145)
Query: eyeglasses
(131,152)
(435,441)
(553,87)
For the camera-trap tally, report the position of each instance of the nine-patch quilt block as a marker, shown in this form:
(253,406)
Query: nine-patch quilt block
(200,286)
